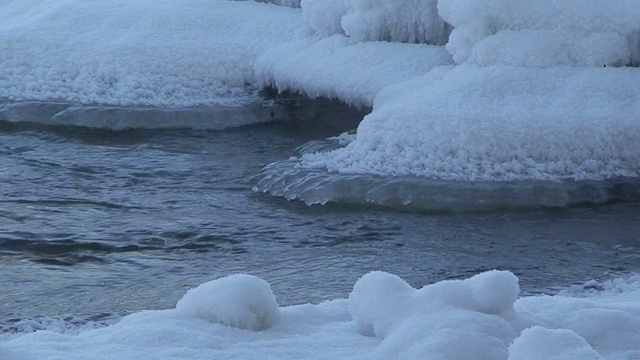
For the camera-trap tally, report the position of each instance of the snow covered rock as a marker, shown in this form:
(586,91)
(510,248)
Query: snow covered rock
(241,301)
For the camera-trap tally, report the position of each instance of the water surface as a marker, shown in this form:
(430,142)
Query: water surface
(104,222)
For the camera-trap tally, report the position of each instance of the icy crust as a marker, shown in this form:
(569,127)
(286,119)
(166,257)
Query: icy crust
(290,180)
(289,3)
(481,317)
(413,21)
(543,33)
(140,53)
(120,117)
(500,123)
(340,67)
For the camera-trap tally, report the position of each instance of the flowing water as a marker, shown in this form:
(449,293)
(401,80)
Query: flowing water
(108,222)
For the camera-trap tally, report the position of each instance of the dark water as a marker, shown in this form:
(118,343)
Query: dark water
(96,222)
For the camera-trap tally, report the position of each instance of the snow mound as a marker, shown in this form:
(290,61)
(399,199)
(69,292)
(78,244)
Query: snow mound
(414,21)
(384,318)
(544,33)
(339,67)
(541,343)
(499,123)
(415,322)
(240,301)
(376,300)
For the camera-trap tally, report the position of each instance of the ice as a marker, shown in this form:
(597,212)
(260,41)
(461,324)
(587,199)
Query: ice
(241,301)
(317,186)
(289,3)
(482,317)
(137,117)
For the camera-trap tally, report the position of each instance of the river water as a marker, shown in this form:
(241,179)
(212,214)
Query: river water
(96,222)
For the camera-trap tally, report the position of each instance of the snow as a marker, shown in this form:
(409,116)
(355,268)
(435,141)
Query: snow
(340,67)
(141,53)
(542,343)
(373,20)
(507,90)
(241,301)
(500,123)
(547,29)
(482,317)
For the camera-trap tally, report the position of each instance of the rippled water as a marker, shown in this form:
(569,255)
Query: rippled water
(96,222)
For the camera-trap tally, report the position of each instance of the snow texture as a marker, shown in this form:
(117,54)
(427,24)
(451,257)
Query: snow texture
(140,53)
(413,21)
(240,301)
(482,317)
(555,33)
(541,90)
(541,343)
(339,67)
(500,123)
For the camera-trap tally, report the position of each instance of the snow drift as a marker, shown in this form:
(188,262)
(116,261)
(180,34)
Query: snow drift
(384,318)
(489,91)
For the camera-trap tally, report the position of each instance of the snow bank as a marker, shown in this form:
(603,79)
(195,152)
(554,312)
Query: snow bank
(544,33)
(142,53)
(531,100)
(500,123)
(414,21)
(384,318)
(418,193)
(241,301)
(340,67)
(541,343)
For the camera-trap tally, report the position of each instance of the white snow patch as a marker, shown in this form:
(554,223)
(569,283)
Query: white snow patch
(241,301)
(137,53)
(414,21)
(384,318)
(555,33)
(540,343)
(499,123)
(339,67)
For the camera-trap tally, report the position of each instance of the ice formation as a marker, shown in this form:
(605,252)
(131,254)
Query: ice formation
(487,90)
(481,317)
(530,100)
(500,123)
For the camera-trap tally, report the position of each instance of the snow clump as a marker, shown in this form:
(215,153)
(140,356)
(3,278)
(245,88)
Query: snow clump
(240,301)
(412,21)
